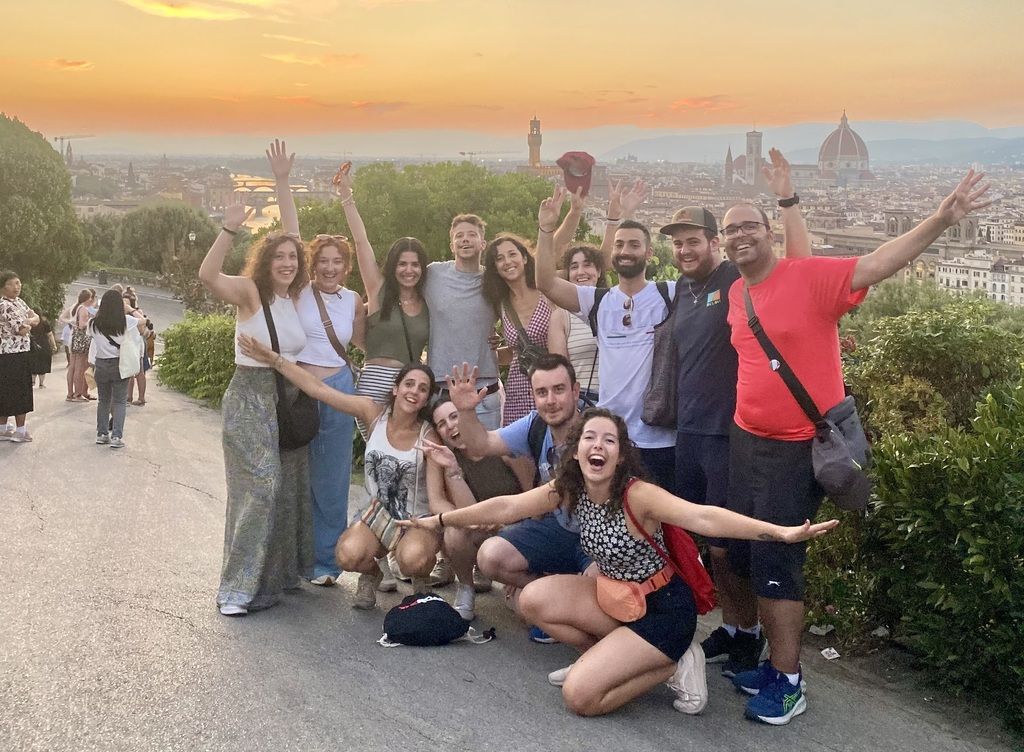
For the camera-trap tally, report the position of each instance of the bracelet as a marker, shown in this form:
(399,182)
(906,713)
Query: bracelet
(549,232)
(785,203)
(440,520)
(348,201)
(229,232)
(454,476)
(278,361)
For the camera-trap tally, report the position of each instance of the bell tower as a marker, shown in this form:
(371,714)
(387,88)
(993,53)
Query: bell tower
(533,140)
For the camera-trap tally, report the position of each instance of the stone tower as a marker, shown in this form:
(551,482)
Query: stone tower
(752,168)
(534,142)
(728,168)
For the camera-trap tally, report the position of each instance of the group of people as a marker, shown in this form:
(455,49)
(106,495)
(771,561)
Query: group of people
(92,334)
(551,484)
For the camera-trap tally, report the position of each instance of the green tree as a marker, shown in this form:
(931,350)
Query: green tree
(101,237)
(152,237)
(40,238)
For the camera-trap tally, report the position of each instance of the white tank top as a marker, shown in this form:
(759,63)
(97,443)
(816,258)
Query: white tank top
(341,307)
(398,478)
(290,336)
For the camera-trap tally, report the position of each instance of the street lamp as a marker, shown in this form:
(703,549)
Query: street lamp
(192,237)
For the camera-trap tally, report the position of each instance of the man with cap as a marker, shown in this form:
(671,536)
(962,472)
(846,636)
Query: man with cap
(706,393)
(798,303)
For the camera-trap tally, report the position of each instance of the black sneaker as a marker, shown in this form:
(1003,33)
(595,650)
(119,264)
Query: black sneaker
(745,654)
(717,646)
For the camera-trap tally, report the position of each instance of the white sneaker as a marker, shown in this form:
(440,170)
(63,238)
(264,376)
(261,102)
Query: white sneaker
(557,678)
(324,580)
(441,574)
(465,600)
(7,434)
(390,583)
(690,682)
(20,437)
(229,610)
(116,442)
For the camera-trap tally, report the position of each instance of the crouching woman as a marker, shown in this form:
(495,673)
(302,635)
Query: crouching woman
(621,658)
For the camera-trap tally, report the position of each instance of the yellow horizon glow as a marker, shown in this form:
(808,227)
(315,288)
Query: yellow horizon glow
(314,66)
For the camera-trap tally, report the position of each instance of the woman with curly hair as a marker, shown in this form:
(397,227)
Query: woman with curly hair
(621,658)
(268,542)
(509,287)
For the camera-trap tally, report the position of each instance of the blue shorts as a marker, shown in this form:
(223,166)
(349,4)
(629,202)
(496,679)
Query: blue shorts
(547,546)
(670,621)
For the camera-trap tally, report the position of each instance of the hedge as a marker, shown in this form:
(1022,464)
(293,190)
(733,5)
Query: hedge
(199,356)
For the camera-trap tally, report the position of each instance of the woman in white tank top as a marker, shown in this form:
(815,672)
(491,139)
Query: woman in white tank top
(268,542)
(401,483)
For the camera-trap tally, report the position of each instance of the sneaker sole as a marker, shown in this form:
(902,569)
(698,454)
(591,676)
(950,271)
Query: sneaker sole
(698,666)
(753,691)
(781,720)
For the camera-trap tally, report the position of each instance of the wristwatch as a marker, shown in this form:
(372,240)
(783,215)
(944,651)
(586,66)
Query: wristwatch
(785,203)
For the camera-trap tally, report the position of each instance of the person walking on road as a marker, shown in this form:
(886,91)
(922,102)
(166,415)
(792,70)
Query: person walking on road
(109,330)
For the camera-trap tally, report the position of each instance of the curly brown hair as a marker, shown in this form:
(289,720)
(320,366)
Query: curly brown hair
(569,482)
(257,266)
(317,245)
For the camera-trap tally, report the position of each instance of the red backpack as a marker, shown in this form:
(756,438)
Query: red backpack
(682,556)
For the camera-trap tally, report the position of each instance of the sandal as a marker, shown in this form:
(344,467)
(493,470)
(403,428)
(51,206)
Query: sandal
(139,403)
(88,398)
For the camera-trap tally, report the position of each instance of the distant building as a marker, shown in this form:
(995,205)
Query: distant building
(533,140)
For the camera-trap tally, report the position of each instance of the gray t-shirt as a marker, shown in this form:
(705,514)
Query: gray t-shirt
(461,320)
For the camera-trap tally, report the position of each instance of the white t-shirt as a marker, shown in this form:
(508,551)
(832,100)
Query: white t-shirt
(102,346)
(624,367)
(341,307)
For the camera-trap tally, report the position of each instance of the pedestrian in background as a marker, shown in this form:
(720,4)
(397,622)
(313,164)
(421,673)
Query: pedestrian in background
(16,322)
(109,329)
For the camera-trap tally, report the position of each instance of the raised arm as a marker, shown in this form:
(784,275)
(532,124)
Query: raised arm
(359,326)
(558,342)
(890,257)
(622,204)
(560,291)
(567,230)
(777,174)
(281,165)
(239,291)
(357,406)
(501,510)
(373,280)
(655,505)
(465,397)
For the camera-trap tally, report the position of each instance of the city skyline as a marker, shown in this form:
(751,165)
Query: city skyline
(211,72)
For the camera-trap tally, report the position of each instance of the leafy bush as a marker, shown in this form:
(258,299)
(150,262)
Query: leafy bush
(949,530)
(199,356)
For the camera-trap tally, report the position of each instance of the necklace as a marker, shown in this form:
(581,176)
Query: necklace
(697,297)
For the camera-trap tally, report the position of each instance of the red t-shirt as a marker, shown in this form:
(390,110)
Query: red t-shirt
(799,305)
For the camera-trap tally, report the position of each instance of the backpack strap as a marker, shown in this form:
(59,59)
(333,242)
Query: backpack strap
(535,440)
(647,536)
(662,286)
(599,293)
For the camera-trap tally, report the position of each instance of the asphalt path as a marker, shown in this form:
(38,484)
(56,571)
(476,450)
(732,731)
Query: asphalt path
(111,639)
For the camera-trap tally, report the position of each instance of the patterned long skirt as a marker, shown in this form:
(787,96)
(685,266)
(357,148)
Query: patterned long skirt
(268,531)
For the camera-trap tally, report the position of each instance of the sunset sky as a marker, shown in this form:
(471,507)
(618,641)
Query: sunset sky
(207,68)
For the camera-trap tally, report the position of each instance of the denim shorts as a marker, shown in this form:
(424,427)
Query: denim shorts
(671,619)
(547,546)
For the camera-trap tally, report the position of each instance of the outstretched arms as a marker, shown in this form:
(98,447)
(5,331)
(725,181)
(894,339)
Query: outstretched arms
(777,174)
(501,510)
(281,165)
(239,291)
(890,257)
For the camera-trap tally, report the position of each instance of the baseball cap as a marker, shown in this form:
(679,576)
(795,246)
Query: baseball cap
(577,167)
(691,216)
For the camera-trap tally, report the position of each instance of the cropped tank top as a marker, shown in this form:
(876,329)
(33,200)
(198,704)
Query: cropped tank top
(341,307)
(289,332)
(606,539)
(395,477)
(386,339)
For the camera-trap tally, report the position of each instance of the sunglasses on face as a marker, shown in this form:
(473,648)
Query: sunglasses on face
(627,317)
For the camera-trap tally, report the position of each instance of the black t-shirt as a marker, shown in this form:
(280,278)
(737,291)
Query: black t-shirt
(707,360)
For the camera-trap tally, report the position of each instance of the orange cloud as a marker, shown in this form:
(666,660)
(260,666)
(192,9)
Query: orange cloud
(297,40)
(708,104)
(196,11)
(379,107)
(72,66)
(332,58)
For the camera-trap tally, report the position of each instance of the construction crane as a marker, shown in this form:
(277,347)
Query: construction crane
(475,154)
(62,139)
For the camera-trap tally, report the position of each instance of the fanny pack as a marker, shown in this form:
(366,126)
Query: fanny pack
(839,450)
(626,601)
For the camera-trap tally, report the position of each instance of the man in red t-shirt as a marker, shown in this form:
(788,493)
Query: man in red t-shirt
(799,303)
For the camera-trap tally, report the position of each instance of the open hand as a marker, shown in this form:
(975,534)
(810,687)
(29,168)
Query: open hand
(280,161)
(798,533)
(462,387)
(632,199)
(965,198)
(253,348)
(777,174)
(235,216)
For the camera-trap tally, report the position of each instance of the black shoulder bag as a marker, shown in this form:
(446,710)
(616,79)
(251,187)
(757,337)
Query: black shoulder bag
(526,351)
(298,419)
(839,450)
(660,403)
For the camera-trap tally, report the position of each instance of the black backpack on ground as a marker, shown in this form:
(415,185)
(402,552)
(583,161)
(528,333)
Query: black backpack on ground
(426,619)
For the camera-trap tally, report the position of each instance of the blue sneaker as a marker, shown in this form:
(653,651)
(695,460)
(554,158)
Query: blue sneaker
(752,682)
(539,635)
(778,702)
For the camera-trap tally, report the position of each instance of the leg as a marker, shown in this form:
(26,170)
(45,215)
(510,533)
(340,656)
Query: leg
(104,391)
(131,387)
(358,550)
(70,375)
(142,389)
(565,606)
(620,667)
(500,560)
(460,547)
(118,405)
(417,552)
(784,623)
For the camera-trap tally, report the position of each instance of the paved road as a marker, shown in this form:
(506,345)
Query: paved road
(111,640)
(158,304)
